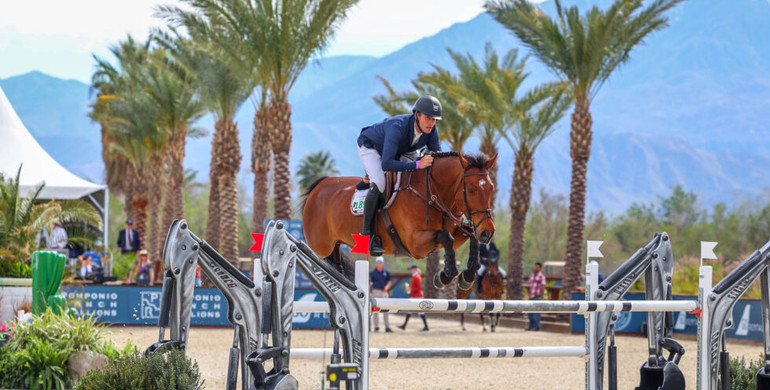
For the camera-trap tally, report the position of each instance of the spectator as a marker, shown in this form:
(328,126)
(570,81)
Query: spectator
(415,291)
(86,265)
(57,239)
(143,269)
(536,288)
(128,238)
(198,281)
(379,279)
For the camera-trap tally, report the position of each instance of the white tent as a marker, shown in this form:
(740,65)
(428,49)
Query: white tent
(17,147)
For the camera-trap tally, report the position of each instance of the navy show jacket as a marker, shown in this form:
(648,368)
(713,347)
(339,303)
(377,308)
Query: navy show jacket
(393,137)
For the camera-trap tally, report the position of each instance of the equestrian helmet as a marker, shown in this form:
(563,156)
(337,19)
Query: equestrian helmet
(428,105)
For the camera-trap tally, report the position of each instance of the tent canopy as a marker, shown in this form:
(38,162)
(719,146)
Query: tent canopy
(17,147)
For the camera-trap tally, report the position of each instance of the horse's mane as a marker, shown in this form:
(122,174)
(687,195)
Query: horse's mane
(309,190)
(474,160)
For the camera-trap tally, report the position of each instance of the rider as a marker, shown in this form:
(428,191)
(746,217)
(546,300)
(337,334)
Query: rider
(487,253)
(381,147)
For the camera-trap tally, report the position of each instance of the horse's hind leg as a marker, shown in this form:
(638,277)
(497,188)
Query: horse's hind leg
(450,263)
(465,281)
(342,262)
(462,321)
(483,324)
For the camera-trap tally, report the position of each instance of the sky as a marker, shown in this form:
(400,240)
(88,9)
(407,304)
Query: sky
(59,37)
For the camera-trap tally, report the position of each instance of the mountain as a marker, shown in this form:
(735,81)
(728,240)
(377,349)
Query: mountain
(689,108)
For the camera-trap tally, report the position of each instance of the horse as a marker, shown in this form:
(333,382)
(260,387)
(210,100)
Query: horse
(443,205)
(492,287)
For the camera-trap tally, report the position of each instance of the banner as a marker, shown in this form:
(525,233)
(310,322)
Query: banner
(117,305)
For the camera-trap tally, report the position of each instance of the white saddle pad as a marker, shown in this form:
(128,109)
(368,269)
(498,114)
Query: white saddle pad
(357,202)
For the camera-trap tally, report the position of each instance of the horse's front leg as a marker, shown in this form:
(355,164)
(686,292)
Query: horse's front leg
(483,325)
(450,263)
(465,282)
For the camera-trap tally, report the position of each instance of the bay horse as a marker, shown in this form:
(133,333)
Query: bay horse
(492,287)
(443,205)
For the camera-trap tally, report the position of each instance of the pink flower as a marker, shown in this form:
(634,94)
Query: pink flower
(12,325)
(3,328)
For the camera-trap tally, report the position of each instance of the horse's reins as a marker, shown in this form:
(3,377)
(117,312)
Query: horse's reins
(431,200)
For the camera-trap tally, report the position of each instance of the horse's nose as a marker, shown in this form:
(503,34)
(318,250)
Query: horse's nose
(485,237)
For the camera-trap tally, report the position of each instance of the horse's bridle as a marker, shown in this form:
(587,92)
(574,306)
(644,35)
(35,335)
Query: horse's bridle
(431,200)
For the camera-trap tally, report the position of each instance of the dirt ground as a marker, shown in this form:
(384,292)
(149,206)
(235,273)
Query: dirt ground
(210,348)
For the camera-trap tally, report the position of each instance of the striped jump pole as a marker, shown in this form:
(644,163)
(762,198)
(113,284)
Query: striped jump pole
(394,305)
(451,353)
(403,305)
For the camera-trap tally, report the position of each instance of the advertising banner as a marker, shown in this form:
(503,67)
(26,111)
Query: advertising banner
(116,305)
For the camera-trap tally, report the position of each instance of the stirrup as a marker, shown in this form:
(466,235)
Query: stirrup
(375,246)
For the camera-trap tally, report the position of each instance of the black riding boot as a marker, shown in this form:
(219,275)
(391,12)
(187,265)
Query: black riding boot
(370,212)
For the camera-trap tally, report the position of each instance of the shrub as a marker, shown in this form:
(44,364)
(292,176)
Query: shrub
(14,269)
(743,375)
(171,370)
(37,354)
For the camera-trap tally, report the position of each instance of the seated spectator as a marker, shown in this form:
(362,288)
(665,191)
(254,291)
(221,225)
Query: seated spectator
(145,274)
(86,265)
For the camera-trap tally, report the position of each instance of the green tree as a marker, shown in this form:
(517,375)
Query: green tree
(275,39)
(222,87)
(582,51)
(315,166)
(22,217)
(531,119)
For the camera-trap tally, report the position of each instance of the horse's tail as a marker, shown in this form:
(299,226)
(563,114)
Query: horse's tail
(310,189)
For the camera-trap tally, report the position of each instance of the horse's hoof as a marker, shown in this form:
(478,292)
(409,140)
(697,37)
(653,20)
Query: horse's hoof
(485,329)
(437,281)
(464,284)
(493,329)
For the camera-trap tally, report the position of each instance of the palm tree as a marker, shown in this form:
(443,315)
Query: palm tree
(170,87)
(479,95)
(315,166)
(260,164)
(107,81)
(21,218)
(582,51)
(142,140)
(530,120)
(275,39)
(222,88)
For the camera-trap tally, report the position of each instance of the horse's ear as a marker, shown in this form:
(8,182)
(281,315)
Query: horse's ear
(490,162)
(464,162)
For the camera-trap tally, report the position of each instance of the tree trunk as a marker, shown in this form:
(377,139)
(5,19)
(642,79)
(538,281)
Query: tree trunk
(156,235)
(230,163)
(260,165)
(521,193)
(431,268)
(280,123)
(173,207)
(580,151)
(215,174)
(490,149)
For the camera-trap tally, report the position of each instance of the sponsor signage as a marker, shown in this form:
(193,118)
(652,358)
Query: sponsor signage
(141,306)
(747,319)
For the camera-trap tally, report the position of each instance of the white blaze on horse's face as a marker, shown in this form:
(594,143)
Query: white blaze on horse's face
(481,183)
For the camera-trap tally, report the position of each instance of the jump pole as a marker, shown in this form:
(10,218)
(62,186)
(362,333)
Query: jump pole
(404,305)
(451,353)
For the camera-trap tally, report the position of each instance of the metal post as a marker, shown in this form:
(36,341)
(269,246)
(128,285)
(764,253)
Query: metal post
(362,282)
(592,371)
(704,364)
